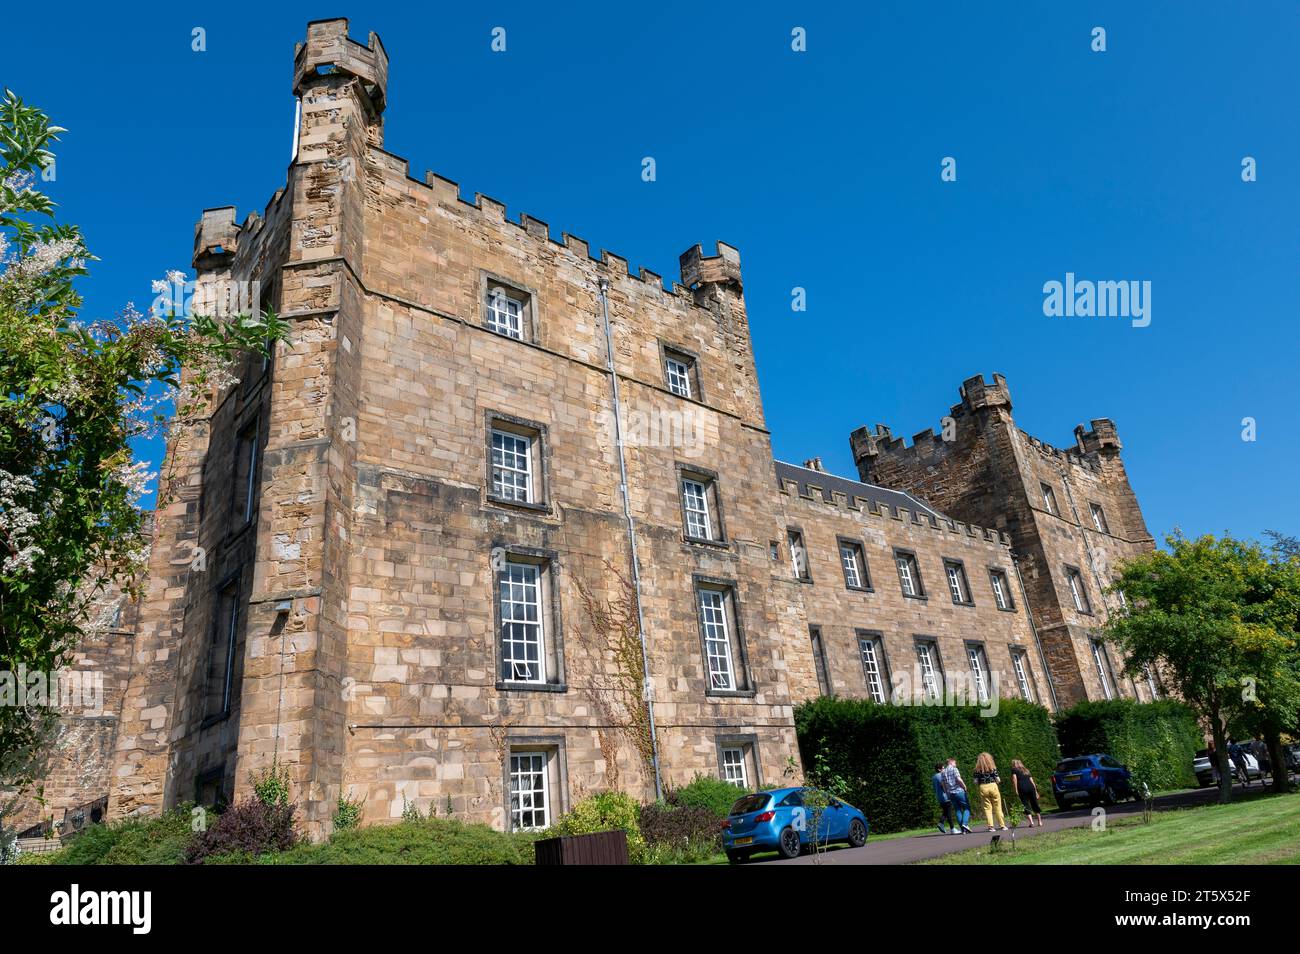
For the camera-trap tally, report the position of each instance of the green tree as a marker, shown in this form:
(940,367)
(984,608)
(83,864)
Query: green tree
(74,396)
(1218,619)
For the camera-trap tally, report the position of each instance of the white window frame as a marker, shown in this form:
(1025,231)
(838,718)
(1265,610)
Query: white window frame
(734,767)
(979,665)
(1098,518)
(869,648)
(957,585)
(519,581)
(906,563)
(533,774)
(1000,596)
(851,559)
(1081,602)
(798,554)
(505,315)
(929,678)
(695,506)
(1151,682)
(1049,499)
(505,464)
(712,604)
(678,374)
(1022,675)
(1103,670)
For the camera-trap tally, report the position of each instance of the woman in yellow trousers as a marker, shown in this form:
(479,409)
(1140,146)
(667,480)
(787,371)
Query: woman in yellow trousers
(986,777)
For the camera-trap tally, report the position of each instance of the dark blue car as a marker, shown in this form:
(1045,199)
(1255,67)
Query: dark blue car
(778,821)
(1092,778)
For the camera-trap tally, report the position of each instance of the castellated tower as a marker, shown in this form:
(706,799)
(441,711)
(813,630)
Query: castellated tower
(377,561)
(1070,512)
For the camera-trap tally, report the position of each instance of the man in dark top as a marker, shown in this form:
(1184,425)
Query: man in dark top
(945,803)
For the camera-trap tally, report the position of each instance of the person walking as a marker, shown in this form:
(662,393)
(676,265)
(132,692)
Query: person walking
(945,803)
(954,786)
(1238,756)
(986,777)
(1027,789)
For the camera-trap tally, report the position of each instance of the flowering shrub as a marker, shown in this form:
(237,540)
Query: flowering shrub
(73,397)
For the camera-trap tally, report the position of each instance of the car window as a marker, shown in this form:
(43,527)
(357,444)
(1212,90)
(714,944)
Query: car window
(750,803)
(793,800)
(1072,765)
(1109,762)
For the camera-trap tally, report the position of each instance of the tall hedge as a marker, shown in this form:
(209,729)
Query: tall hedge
(886,753)
(1156,740)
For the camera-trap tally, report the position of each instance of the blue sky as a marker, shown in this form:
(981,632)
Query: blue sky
(822,167)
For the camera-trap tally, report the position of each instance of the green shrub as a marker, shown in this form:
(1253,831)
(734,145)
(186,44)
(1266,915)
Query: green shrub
(677,834)
(706,792)
(347,813)
(1156,740)
(604,811)
(271,786)
(883,756)
(426,842)
(156,840)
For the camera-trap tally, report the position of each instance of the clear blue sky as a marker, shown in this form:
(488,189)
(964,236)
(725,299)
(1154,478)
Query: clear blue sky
(822,167)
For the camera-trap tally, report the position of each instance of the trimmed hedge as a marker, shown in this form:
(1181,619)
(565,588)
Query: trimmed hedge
(886,753)
(1156,740)
(157,840)
(431,841)
(705,791)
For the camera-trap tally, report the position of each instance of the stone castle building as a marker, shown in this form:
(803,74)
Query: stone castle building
(436,522)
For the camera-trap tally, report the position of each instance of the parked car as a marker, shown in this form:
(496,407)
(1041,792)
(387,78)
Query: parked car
(1092,778)
(779,821)
(1203,768)
(1292,757)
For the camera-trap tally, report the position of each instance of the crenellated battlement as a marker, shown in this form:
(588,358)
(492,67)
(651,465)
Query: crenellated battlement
(329,51)
(697,268)
(862,506)
(216,238)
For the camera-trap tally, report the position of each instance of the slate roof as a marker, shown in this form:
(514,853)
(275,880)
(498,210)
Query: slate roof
(829,483)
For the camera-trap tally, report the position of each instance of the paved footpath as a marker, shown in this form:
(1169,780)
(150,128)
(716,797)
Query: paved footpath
(899,851)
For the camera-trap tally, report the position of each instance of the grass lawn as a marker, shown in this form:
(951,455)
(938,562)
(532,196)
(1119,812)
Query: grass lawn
(1259,830)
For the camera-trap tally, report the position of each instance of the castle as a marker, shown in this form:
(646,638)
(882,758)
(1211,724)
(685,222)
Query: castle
(441,544)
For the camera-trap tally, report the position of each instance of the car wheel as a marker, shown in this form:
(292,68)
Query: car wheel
(737,857)
(857,833)
(1108,796)
(789,845)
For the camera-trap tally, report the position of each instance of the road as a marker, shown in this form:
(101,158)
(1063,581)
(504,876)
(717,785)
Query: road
(899,851)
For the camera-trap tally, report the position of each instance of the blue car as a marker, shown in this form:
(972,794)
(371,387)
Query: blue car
(1092,778)
(778,821)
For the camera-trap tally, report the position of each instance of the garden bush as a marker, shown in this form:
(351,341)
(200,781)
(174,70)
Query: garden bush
(885,754)
(160,840)
(1156,740)
(680,834)
(430,841)
(706,792)
(252,826)
(604,811)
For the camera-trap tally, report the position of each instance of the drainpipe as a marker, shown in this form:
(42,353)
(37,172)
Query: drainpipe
(647,690)
(1029,615)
